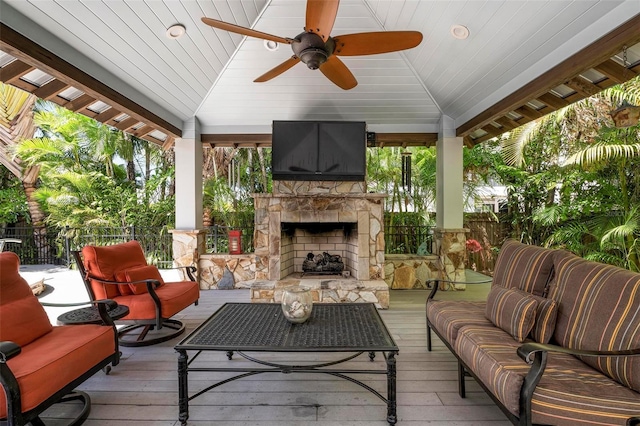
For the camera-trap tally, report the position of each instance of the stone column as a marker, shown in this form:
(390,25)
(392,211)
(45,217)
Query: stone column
(450,236)
(452,253)
(188,237)
(188,245)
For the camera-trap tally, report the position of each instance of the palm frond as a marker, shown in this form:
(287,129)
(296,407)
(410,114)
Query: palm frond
(603,152)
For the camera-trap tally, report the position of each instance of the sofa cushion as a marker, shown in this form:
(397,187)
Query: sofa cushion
(448,316)
(23,318)
(104,262)
(491,354)
(512,310)
(572,393)
(523,266)
(569,393)
(138,273)
(545,322)
(599,309)
(56,359)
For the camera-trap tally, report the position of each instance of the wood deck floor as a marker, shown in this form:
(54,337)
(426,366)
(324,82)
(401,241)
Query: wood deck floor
(142,390)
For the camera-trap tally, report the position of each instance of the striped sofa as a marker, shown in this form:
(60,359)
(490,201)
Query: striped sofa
(557,341)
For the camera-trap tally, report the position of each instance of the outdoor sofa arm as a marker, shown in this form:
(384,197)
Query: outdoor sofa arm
(536,354)
(436,284)
(104,306)
(530,350)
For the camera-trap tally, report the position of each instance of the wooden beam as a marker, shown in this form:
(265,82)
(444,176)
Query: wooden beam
(528,112)
(142,131)
(127,123)
(553,101)
(14,71)
(406,139)
(596,53)
(24,49)
(50,89)
(614,71)
(507,123)
(79,103)
(231,139)
(107,115)
(582,86)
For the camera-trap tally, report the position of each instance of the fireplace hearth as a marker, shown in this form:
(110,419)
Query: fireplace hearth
(323,264)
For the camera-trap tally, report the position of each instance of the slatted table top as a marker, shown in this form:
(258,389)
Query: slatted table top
(342,327)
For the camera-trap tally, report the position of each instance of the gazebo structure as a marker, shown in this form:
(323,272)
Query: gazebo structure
(155,70)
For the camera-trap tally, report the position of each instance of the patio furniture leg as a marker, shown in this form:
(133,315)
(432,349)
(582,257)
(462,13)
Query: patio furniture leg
(392,418)
(183,387)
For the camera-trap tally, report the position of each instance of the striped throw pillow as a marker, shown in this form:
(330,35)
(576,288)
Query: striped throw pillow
(545,322)
(512,310)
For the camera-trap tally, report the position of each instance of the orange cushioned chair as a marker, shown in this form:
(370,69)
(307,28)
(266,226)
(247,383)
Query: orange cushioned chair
(120,272)
(40,365)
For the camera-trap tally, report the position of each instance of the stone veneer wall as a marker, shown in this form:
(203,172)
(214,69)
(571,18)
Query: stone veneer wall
(315,202)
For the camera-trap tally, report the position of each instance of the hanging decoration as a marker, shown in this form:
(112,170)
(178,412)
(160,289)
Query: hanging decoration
(406,170)
(626,115)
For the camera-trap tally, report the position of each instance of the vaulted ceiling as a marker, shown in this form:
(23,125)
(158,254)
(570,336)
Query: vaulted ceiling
(112,60)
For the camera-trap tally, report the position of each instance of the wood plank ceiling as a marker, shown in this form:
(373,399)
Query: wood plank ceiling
(599,65)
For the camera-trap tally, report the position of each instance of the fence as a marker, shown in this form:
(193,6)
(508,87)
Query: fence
(490,234)
(55,245)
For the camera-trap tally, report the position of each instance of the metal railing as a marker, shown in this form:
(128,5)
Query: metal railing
(54,245)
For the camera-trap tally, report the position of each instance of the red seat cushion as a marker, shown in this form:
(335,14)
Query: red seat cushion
(174,297)
(54,360)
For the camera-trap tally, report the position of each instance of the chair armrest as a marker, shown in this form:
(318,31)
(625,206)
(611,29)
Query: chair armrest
(530,349)
(109,304)
(8,350)
(190,270)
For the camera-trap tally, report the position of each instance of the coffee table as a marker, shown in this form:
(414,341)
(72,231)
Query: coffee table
(353,328)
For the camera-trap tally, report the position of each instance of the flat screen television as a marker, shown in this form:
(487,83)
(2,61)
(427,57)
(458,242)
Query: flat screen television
(319,150)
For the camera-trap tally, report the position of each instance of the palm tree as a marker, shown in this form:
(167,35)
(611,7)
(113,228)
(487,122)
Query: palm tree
(16,124)
(588,168)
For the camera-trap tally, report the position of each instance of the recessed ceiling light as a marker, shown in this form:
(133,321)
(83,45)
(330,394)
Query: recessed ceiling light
(271,45)
(459,31)
(176,31)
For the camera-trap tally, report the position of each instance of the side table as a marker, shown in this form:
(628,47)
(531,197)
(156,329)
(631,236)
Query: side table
(90,315)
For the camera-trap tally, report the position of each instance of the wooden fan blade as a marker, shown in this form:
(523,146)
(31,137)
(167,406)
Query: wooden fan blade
(376,42)
(321,14)
(336,71)
(277,70)
(244,31)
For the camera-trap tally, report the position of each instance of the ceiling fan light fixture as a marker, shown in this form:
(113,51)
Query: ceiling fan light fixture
(176,31)
(313,57)
(459,31)
(271,45)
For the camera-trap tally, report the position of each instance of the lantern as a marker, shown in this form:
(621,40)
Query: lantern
(235,242)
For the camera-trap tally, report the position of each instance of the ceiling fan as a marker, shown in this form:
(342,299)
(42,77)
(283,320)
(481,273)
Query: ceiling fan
(318,50)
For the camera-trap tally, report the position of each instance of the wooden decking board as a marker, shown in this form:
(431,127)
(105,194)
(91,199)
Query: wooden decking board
(142,390)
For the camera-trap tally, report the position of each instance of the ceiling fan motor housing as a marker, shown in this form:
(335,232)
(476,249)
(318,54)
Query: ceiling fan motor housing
(312,50)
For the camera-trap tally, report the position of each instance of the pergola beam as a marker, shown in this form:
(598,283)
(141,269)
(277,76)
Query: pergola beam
(591,56)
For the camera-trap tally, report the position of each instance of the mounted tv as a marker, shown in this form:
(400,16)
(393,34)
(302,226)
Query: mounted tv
(319,150)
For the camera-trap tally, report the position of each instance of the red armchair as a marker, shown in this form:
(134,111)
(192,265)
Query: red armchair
(41,365)
(120,272)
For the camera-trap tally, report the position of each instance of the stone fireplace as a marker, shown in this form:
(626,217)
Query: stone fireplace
(335,217)
(302,217)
